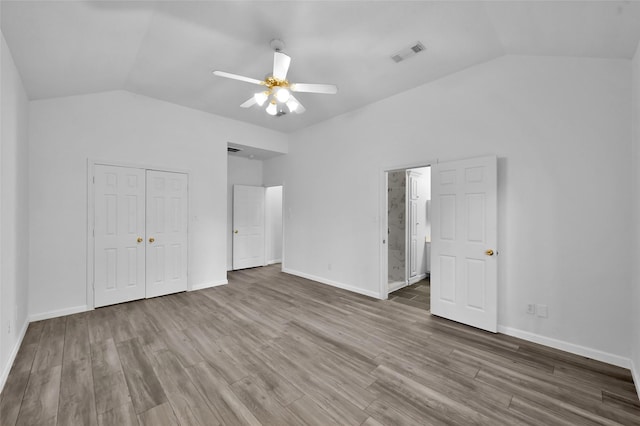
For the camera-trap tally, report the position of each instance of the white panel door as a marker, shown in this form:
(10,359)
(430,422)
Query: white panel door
(248,226)
(119,227)
(167,219)
(463,244)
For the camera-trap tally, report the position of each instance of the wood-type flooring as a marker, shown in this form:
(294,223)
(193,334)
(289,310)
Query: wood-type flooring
(275,349)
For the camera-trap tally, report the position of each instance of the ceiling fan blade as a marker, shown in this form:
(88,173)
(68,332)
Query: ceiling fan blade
(327,89)
(238,77)
(280,65)
(249,103)
(299,109)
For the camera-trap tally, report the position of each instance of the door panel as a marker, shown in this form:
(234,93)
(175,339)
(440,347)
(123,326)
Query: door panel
(413,238)
(119,212)
(167,242)
(248,226)
(463,276)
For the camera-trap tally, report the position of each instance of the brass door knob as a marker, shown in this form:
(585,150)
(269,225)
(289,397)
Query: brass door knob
(489,252)
(140,239)
(151,239)
(235,232)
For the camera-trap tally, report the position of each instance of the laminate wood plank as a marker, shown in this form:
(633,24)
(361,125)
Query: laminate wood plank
(50,348)
(162,415)
(122,415)
(371,422)
(11,398)
(311,413)
(40,401)
(226,366)
(388,414)
(226,406)
(187,403)
(110,387)
(76,339)
(98,324)
(145,389)
(262,404)
(76,405)
(182,347)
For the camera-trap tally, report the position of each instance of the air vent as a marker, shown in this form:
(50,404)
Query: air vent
(408,52)
(231,149)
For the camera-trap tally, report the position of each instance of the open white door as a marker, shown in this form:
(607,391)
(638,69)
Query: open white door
(248,226)
(464,237)
(167,220)
(119,271)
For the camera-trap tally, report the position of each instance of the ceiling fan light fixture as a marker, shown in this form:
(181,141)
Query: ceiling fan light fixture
(283,95)
(261,97)
(272,108)
(293,105)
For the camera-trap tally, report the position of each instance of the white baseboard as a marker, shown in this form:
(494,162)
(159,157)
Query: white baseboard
(596,354)
(343,286)
(202,286)
(12,356)
(417,278)
(57,313)
(635,373)
(397,285)
(271,262)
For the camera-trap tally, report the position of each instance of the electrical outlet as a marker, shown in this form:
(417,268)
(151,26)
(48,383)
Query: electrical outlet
(543,311)
(531,308)
(9,328)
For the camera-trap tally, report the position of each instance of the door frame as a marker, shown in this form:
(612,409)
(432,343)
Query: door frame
(384,221)
(91,163)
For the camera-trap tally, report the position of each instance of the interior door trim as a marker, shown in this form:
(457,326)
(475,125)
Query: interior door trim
(91,163)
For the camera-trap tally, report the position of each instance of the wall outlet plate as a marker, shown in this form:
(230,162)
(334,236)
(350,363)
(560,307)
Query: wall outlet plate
(531,308)
(543,311)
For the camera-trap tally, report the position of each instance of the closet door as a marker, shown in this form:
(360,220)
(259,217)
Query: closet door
(167,218)
(119,229)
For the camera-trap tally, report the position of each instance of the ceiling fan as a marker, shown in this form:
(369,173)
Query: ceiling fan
(277,89)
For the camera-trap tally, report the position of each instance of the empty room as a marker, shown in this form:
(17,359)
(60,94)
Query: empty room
(320,213)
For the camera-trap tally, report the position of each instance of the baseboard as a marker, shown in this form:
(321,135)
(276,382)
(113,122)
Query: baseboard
(332,283)
(417,278)
(202,286)
(12,356)
(635,373)
(271,262)
(596,354)
(57,313)
(397,285)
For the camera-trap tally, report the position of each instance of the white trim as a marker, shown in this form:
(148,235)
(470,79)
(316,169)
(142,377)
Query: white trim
(596,354)
(635,373)
(332,283)
(397,285)
(271,262)
(12,356)
(417,278)
(202,286)
(58,313)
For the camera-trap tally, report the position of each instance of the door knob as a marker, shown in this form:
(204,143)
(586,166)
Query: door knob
(140,239)
(235,232)
(489,252)
(151,239)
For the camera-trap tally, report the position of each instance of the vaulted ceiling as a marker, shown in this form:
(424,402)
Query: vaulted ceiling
(167,49)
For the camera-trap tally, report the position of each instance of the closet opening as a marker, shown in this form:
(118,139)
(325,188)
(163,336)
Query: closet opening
(409,236)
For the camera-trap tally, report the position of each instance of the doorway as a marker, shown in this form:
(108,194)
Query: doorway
(409,236)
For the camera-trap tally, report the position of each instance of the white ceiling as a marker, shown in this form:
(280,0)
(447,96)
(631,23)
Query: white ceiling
(167,49)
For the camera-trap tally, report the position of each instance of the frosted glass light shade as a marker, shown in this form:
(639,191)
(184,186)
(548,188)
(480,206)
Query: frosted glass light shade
(293,105)
(261,97)
(282,95)
(272,109)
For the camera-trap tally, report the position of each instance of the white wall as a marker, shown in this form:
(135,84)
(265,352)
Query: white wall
(14,229)
(273,224)
(241,171)
(564,235)
(125,128)
(635,300)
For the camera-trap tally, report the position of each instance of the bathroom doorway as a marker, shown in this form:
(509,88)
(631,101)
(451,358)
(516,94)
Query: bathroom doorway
(409,236)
